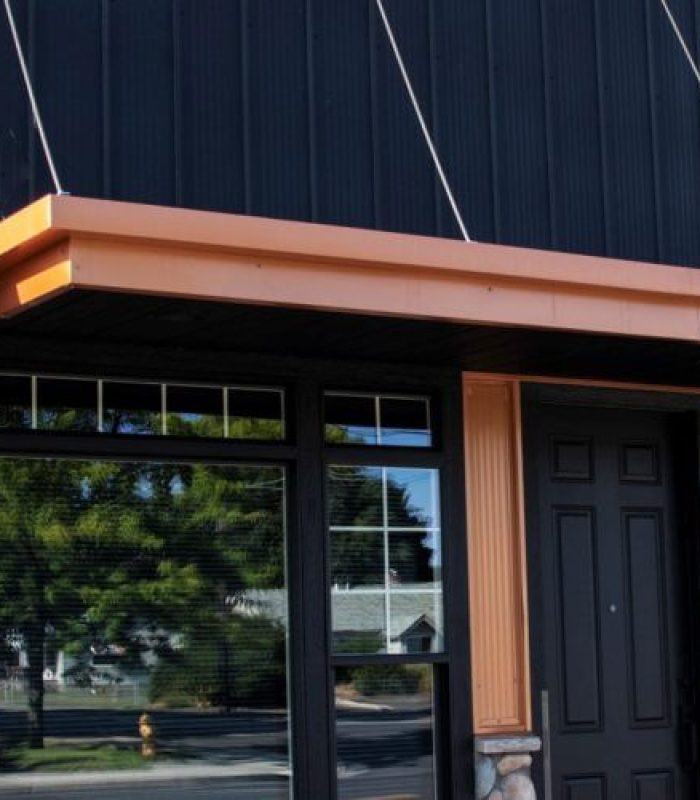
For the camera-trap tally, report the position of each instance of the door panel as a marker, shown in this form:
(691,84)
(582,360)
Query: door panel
(602,509)
(578,618)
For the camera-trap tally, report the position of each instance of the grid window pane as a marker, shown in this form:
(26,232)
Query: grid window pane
(15,402)
(369,419)
(129,588)
(405,422)
(412,498)
(385,732)
(195,411)
(359,621)
(67,404)
(355,496)
(351,419)
(256,414)
(131,408)
(382,560)
(357,558)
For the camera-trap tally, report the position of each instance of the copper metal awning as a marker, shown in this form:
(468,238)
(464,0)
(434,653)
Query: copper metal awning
(63,243)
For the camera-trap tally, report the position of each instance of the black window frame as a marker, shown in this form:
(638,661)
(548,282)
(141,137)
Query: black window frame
(452,737)
(304,455)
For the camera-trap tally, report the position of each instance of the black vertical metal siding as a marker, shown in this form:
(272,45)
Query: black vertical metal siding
(572,124)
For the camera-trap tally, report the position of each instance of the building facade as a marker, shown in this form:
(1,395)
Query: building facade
(301,495)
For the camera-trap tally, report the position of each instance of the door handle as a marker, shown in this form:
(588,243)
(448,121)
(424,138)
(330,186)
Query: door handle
(546,746)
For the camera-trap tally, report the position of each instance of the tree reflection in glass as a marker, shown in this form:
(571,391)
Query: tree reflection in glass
(386,564)
(127,587)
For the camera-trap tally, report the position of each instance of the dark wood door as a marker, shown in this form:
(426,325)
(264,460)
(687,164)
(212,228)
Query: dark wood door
(611,622)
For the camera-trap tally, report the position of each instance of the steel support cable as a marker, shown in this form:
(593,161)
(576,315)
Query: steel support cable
(681,40)
(32,99)
(421,120)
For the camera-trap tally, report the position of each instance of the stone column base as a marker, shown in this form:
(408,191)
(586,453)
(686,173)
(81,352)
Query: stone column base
(502,767)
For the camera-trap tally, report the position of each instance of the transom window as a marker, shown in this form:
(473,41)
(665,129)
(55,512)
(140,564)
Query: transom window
(95,405)
(377,419)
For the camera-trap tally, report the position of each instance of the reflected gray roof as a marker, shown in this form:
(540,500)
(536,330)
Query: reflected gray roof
(361,608)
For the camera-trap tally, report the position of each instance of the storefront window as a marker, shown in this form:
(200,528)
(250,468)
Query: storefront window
(145,608)
(386,563)
(143,628)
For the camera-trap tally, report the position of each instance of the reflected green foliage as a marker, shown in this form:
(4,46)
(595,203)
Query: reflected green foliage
(251,650)
(142,566)
(356,501)
(132,421)
(256,428)
(73,419)
(74,758)
(378,679)
(343,434)
(190,425)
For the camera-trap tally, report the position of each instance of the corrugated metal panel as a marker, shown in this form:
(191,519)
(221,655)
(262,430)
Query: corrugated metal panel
(627,129)
(518,123)
(675,98)
(68,75)
(211,82)
(405,181)
(563,123)
(461,114)
(14,131)
(276,111)
(575,127)
(141,101)
(343,97)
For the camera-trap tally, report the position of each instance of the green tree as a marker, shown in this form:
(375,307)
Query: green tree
(139,556)
(357,556)
(65,532)
(221,540)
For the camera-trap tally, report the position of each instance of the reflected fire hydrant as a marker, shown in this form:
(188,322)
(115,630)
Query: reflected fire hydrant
(147,732)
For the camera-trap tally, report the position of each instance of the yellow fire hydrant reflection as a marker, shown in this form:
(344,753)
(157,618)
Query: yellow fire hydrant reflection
(147,732)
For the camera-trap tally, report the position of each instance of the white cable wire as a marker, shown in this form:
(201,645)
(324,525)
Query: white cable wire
(681,40)
(32,98)
(421,120)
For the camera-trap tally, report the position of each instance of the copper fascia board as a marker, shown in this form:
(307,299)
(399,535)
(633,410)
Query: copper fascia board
(137,248)
(35,279)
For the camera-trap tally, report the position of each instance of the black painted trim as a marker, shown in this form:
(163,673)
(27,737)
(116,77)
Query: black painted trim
(305,456)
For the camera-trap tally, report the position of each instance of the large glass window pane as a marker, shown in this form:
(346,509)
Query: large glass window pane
(386,562)
(385,732)
(15,402)
(132,589)
(194,411)
(133,408)
(67,404)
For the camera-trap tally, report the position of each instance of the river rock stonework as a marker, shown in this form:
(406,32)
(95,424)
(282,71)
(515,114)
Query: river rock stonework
(502,767)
